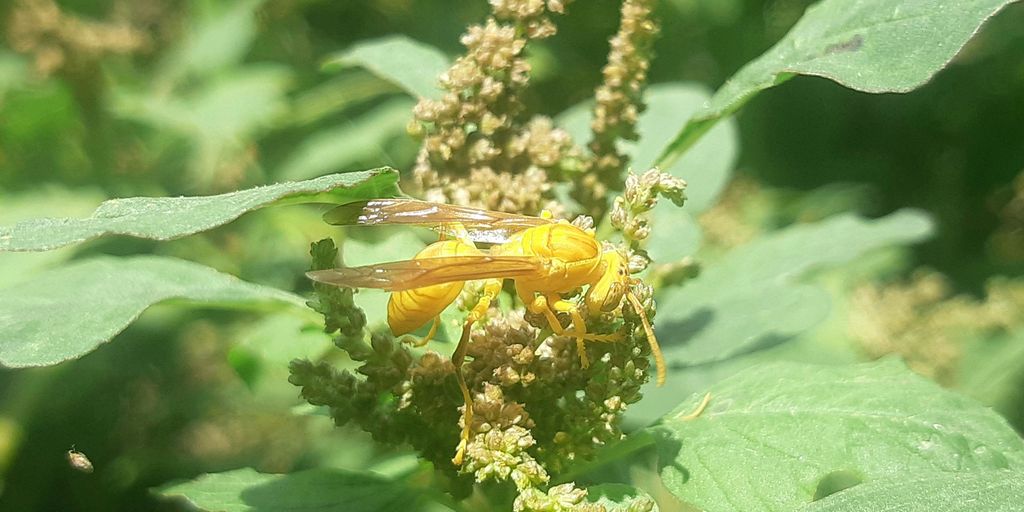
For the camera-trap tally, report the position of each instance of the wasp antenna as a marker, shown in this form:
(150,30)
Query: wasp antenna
(659,360)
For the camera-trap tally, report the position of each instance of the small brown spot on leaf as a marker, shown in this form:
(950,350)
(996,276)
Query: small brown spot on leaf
(850,45)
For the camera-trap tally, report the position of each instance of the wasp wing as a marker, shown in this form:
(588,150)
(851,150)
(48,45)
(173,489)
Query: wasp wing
(479,225)
(409,274)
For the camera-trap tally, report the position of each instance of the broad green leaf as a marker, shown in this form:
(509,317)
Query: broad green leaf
(869,45)
(772,433)
(165,218)
(977,491)
(67,312)
(751,296)
(413,66)
(621,497)
(706,168)
(15,267)
(320,490)
(360,140)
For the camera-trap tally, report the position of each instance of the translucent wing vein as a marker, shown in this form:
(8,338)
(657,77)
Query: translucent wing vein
(478,225)
(409,274)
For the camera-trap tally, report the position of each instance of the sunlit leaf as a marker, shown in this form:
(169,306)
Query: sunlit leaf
(165,218)
(752,297)
(67,312)
(977,491)
(413,66)
(320,490)
(17,267)
(868,45)
(773,434)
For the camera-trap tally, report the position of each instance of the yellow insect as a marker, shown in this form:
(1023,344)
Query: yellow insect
(546,259)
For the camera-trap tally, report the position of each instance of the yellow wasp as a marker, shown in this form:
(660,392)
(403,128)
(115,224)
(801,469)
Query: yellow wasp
(546,259)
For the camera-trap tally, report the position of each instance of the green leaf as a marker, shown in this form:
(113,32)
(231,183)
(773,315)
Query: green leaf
(977,491)
(357,141)
(706,169)
(771,434)
(67,312)
(15,267)
(320,490)
(166,218)
(751,297)
(409,64)
(869,45)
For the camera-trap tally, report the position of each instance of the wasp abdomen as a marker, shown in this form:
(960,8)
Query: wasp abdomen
(408,310)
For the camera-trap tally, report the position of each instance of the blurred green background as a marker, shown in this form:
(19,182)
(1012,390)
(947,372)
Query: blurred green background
(118,98)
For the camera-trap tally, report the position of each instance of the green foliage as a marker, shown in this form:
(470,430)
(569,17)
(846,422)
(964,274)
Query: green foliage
(18,267)
(875,421)
(872,46)
(318,489)
(411,65)
(97,298)
(752,296)
(761,272)
(984,491)
(165,218)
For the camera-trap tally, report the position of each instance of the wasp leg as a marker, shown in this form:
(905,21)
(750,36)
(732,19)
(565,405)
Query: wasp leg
(492,287)
(540,304)
(579,326)
(457,358)
(614,337)
(430,334)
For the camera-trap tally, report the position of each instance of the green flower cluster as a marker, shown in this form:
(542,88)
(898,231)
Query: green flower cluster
(536,411)
(618,105)
(479,148)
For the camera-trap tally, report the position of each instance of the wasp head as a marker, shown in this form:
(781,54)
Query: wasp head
(606,294)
